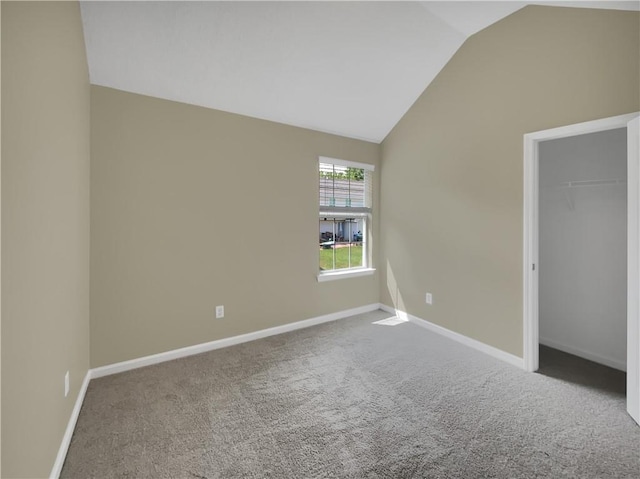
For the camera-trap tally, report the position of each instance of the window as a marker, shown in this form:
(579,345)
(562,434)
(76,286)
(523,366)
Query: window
(344,217)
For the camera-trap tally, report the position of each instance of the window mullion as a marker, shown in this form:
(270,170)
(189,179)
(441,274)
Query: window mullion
(333,249)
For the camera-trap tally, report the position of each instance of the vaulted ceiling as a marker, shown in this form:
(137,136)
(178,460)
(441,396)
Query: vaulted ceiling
(350,68)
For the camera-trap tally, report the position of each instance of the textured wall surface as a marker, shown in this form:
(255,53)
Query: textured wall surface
(193,208)
(45,229)
(452,171)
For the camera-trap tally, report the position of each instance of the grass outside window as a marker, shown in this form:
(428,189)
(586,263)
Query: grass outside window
(341,257)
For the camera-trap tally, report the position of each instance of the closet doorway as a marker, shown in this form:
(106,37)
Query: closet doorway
(581,265)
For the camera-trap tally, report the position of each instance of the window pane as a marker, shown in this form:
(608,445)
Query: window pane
(341,245)
(343,186)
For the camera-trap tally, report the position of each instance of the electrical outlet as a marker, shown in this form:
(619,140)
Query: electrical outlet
(66,384)
(428,299)
(219,312)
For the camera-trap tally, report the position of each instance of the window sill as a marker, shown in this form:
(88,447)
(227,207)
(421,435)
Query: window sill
(351,273)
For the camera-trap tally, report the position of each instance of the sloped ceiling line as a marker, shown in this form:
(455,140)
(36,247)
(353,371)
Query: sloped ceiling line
(349,68)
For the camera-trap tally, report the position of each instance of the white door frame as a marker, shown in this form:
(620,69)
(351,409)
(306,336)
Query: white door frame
(530,234)
(633,271)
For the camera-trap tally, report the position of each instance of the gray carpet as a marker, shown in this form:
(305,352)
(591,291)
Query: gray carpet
(350,399)
(566,367)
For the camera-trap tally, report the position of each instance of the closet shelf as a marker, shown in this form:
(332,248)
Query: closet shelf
(583,183)
(567,186)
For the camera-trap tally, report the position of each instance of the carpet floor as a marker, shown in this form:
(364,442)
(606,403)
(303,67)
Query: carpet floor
(354,398)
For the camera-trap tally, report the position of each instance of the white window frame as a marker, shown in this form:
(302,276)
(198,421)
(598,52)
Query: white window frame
(336,212)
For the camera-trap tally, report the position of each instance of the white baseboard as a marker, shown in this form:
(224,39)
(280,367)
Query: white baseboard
(460,338)
(596,358)
(225,342)
(66,439)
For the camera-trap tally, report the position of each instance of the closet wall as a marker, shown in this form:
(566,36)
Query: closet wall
(582,270)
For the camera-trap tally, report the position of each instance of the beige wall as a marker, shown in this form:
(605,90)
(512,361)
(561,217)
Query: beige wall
(0,248)
(45,229)
(193,208)
(452,168)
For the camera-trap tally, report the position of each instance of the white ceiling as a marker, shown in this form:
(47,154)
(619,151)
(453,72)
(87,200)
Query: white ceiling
(351,68)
